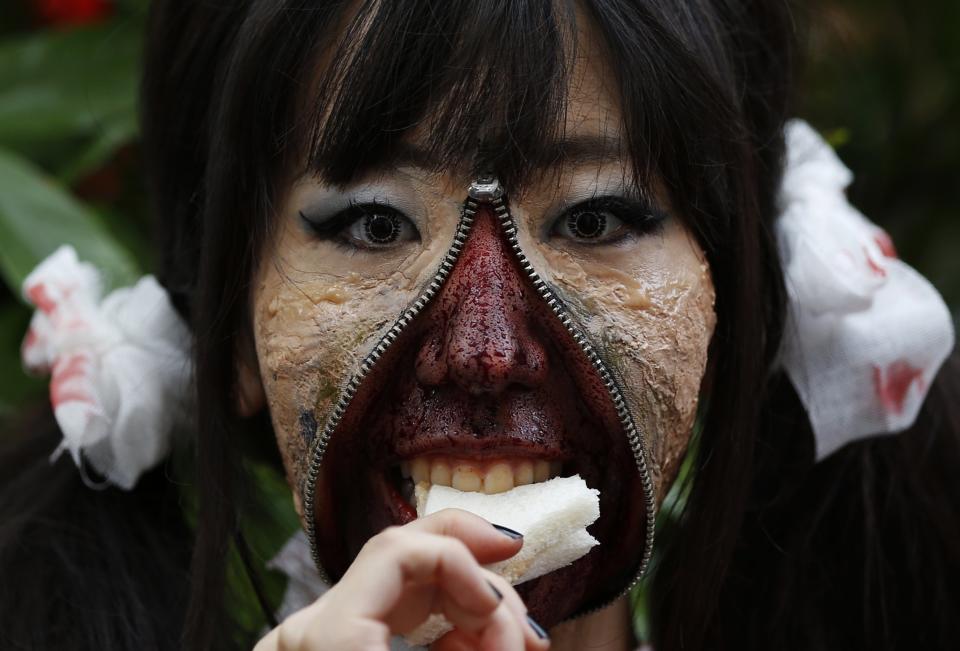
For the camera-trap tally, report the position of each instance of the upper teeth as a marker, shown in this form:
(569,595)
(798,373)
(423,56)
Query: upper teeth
(494,476)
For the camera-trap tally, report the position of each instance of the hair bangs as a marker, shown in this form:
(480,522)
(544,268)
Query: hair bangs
(482,87)
(478,86)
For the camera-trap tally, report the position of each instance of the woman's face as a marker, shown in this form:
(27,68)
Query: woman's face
(484,389)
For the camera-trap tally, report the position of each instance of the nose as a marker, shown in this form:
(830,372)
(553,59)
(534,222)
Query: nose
(480,332)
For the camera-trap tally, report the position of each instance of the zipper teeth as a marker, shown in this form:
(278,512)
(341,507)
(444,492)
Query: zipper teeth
(634,437)
(350,390)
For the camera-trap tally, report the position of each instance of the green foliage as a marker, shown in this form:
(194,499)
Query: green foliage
(37,215)
(68,98)
(68,101)
(269,521)
(881,79)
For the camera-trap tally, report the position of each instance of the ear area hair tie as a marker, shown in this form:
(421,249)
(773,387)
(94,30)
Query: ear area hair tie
(120,366)
(865,333)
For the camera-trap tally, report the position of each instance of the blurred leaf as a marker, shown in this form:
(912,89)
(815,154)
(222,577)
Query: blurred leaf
(130,230)
(14,18)
(885,73)
(135,7)
(115,135)
(68,88)
(37,216)
(837,137)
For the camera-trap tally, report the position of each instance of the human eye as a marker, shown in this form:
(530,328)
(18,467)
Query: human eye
(368,225)
(607,220)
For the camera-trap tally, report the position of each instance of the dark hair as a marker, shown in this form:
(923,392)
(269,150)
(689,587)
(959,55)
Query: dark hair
(772,551)
(82,568)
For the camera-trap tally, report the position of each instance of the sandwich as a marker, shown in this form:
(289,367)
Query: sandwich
(553,517)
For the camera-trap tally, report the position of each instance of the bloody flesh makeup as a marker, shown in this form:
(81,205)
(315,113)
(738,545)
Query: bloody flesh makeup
(488,373)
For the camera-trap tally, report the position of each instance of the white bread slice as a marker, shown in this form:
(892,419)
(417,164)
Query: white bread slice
(553,517)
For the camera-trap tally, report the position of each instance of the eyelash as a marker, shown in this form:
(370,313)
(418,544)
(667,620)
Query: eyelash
(639,215)
(332,229)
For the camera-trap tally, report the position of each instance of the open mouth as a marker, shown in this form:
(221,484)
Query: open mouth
(371,468)
(397,429)
(490,476)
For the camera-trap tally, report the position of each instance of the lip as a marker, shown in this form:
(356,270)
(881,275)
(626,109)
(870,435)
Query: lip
(586,423)
(551,423)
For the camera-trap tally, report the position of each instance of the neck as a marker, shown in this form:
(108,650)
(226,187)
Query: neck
(610,629)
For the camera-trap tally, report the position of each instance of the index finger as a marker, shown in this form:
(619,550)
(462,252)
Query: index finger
(398,559)
(484,539)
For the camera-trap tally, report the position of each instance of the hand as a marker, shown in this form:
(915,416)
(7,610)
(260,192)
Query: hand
(401,576)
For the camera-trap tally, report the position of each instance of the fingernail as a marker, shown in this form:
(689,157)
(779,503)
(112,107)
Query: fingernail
(510,533)
(542,634)
(495,591)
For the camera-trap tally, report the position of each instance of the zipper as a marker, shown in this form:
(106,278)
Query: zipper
(634,437)
(486,189)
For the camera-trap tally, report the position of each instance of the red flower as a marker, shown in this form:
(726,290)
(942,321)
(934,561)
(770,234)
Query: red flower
(72,12)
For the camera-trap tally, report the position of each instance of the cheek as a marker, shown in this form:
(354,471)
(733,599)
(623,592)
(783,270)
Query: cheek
(310,336)
(653,323)
(660,353)
(318,312)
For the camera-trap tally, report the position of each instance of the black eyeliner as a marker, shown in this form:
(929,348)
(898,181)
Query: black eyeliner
(639,214)
(332,228)
(329,227)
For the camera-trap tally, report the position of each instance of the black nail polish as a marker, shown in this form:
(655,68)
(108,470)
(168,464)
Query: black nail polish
(510,533)
(542,634)
(495,591)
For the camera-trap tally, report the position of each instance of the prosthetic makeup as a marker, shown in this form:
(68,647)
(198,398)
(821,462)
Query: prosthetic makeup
(483,341)
(436,344)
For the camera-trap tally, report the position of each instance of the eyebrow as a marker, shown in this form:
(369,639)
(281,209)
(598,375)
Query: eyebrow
(578,149)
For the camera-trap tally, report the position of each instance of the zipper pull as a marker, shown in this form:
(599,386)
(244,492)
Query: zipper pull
(485,189)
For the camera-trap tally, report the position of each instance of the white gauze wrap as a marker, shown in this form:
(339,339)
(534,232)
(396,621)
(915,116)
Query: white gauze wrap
(119,365)
(865,333)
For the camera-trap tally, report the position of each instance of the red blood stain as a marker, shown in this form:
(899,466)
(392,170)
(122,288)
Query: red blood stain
(892,384)
(70,368)
(38,296)
(885,243)
(30,340)
(875,268)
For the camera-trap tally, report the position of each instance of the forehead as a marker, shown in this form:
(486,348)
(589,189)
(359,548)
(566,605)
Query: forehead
(516,110)
(591,99)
